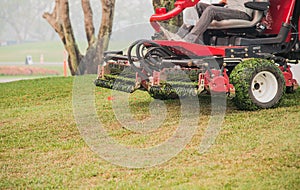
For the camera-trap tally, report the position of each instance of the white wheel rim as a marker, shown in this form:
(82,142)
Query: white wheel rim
(264,86)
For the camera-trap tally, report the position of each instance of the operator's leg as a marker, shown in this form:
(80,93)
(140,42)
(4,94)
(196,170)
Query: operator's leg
(213,13)
(200,7)
(185,28)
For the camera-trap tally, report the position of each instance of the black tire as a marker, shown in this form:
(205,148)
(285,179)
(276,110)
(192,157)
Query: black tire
(259,84)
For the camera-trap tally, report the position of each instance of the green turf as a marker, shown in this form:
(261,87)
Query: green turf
(52,51)
(41,147)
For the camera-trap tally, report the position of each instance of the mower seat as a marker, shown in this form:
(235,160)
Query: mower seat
(190,17)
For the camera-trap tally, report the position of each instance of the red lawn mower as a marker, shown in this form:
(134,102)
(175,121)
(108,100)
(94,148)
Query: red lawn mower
(248,60)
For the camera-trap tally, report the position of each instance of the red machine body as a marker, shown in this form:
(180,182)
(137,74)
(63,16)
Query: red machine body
(214,66)
(280,12)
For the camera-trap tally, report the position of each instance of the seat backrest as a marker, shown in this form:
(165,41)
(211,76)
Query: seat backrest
(279,13)
(237,23)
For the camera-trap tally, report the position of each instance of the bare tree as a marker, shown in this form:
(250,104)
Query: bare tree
(59,19)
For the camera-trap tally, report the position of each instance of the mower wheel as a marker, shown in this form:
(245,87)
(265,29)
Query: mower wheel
(258,83)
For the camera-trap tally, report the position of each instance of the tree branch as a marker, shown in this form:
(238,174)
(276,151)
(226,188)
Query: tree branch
(54,21)
(88,22)
(106,22)
(59,19)
(71,45)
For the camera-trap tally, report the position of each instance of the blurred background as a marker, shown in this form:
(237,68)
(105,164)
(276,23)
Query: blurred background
(22,23)
(27,38)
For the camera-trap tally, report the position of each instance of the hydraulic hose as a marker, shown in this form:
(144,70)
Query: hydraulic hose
(145,63)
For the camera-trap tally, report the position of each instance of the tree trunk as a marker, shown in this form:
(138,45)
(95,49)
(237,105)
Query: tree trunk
(88,22)
(94,55)
(105,28)
(59,19)
(70,43)
(88,64)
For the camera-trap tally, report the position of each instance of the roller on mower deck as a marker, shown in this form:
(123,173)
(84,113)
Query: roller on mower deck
(247,60)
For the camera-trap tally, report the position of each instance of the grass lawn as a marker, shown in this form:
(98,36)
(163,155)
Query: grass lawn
(52,51)
(41,147)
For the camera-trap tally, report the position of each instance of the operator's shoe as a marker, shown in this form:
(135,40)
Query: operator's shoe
(175,37)
(170,36)
(193,39)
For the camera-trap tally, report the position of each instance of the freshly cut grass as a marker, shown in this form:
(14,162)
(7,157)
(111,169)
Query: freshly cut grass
(41,147)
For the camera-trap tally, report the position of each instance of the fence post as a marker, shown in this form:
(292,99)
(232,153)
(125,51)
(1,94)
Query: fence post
(65,64)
